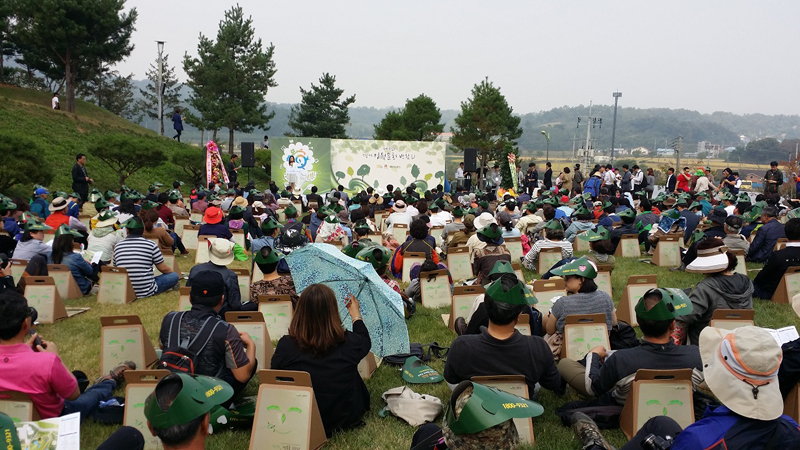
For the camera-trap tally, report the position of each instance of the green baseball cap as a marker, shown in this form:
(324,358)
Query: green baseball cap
(601,234)
(149,204)
(640,193)
(702,194)
(502,267)
(630,213)
(64,229)
(267,255)
(133,224)
(61,194)
(483,204)
(554,224)
(354,248)
(231,191)
(377,255)
(35,225)
(519,294)
(487,407)
(672,214)
(9,433)
(76,195)
(659,198)
(674,303)
(606,204)
(696,236)
(727,197)
(152,188)
(415,371)
(682,202)
(7,205)
(236,209)
(551,201)
(270,224)
(581,267)
(332,219)
(753,214)
(285,194)
(174,196)
(743,198)
(198,395)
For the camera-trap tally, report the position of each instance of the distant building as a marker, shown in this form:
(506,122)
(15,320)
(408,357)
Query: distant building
(444,137)
(665,151)
(640,151)
(713,150)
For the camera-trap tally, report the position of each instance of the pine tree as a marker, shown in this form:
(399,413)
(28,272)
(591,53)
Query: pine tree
(230,77)
(321,113)
(147,106)
(74,36)
(418,120)
(111,91)
(486,122)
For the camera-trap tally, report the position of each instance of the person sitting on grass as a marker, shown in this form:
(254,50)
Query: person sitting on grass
(581,221)
(477,317)
(529,218)
(554,238)
(273,283)
(235,221)
(31,248)
(733,238)
(213,224)
(582,297)
(607,377)
(417,242)
(154,230)
(317,343)
(414,289)
(462,236)
(494,251)
(63,253)
(39,205)
(270,227)
(741,370)
(138,256)
(58,216)
(228,354)
(37,370)
(627,217)
(220,255)
(766,282)
(767,235)
(722,288)
(487,353)
(104,236)
(175,205)
(361,230)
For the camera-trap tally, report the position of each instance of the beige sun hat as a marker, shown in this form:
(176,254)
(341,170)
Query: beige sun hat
(710,260)
(239,201)
(58,204)
(484,220)
(220,251)
(741,368)
(400,206)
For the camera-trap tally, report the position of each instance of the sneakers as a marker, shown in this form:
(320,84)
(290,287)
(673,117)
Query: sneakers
(588,433)
(118,373)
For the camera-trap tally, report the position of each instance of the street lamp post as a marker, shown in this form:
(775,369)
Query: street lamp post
(160,112)
(547,136)
(616,95)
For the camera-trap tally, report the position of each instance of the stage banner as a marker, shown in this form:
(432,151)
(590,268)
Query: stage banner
(357,164)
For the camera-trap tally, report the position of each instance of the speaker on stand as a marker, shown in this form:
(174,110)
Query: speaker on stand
(470,160)
(248,157)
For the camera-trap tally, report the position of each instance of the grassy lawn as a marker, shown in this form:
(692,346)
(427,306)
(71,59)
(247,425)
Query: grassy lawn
(78,340)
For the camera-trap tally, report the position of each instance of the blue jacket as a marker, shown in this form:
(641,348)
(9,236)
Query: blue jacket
(692,220)
(80,270)
(722,429)
(40,207)
(593,185)
(73,209)
(765,240)
(12,228)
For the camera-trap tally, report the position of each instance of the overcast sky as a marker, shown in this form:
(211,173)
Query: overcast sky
(710,55)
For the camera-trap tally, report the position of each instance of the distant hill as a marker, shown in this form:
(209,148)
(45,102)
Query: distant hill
(636,127)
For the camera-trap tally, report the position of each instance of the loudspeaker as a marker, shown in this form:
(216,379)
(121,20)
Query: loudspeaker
(470,160)
(248,154)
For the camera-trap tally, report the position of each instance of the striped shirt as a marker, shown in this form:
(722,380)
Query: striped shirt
(138,256)
(530,260)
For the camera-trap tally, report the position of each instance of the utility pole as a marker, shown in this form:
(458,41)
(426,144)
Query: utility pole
(591,122)
(160,112)
(616,95)
(678,145)
(547,136)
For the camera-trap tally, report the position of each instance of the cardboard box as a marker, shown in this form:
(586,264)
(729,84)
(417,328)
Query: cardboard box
(42,294)
(524,324)
(18,406)
(658,393)
(459,264)
(780,244)
(400,231)
(252,323)
(741,266)
(138,385)
(243,276)
(123,338)
(579,245)
(517,266)
(258,275)
(180,223)
(238,237)
(667,252)
(545,291)
(637,286)
(184,301)
(461,303)
(368,366)
(287,416)
(515,385)
(17,269)
(196,216)
(189,236)
(603,279)
(628,246)
(202,249)
(435,287)
(65,282)
(409,258)
(789,286)
(514,246)
(278,313)
(115,286)
(548,257)
(730,319)
(582,332)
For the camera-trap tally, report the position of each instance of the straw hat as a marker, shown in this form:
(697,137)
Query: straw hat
(220,251)
(58,204)
(741,368)
(710,260)
(400,206)
(239,201)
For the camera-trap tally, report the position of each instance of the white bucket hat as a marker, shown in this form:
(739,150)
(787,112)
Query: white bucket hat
(741,368)
(400,206)
(220,251)
(710,260)
(484,220)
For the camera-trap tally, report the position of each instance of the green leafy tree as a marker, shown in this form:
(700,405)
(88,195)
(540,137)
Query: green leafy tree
(231,77)
(111,91)
(6,17)
(77,36)
(419,120)
(321,113)
(486,122)
(147,105)
(127,154)
(25,170)
(190,162)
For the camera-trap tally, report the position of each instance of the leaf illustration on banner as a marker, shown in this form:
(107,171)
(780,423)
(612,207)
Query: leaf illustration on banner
(350,171)
(363,170)
(403,181)
(439,174)
(340,175)
(376,184)
(428,176)
(414,171)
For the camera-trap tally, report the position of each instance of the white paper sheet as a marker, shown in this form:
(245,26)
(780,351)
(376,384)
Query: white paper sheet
(65,431)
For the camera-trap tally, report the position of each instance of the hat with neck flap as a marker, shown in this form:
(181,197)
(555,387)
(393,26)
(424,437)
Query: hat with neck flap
(673,304)
(198,395)
(519,294)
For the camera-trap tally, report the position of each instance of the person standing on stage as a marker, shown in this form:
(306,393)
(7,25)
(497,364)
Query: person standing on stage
(80,179)
(232,169)
(532,178)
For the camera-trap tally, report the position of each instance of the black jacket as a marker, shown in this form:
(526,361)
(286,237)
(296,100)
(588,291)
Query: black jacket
(770,276)
(79,182)
(548,179)
(672,180)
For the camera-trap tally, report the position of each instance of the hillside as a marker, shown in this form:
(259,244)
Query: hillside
(63,135)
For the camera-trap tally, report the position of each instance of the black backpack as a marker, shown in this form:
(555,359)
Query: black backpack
(180,356)
(644,182)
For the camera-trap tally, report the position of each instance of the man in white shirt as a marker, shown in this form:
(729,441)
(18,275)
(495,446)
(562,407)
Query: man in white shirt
(460,171)
(439,217)
(55,103)
(610,180)
(400,215)
(638,177)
